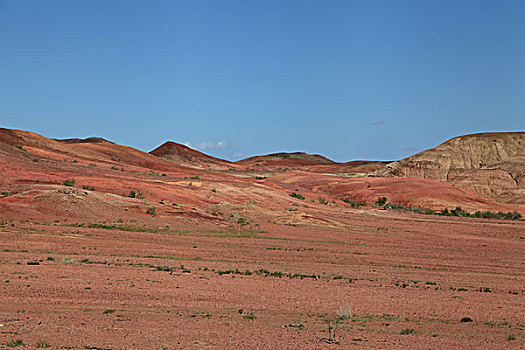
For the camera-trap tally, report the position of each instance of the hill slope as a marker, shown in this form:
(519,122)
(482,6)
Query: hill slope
(489,164)
(175,152)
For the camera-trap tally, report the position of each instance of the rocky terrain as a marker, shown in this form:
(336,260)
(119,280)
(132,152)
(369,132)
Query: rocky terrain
(491,165)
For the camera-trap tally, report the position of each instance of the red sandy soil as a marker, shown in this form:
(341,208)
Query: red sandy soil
(89,269)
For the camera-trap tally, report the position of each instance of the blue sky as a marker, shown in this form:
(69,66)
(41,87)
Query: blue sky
(346,79)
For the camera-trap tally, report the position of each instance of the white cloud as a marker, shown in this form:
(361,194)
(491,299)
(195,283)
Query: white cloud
(211,145)
(378,122)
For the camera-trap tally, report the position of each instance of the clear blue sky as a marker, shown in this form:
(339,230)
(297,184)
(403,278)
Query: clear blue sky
(346,79)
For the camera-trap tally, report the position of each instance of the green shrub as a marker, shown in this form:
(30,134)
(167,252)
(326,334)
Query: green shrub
(134,194)
(465,319)
(16,343)
(381,201)
(297,195)
(43,344)
(408,331)
(322,200)
(150,211)
(69,182)
(88,188)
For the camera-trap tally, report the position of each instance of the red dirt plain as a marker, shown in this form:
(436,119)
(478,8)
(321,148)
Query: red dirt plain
(230,261)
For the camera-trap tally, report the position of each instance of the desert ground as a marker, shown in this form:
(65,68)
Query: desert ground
(106,247)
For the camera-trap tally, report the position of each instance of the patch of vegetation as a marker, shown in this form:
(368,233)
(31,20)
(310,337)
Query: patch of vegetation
(511,337)
(150,211)
(484,290)
(345,312)
(16,343)
(249,316)
(109,311)
(236,272)
(43,344)
(407,331)
(484,215)
(89,188)
(465,319)
(260,177)
(134,194)
(380,202)
(353,203)
(69,182)
(322,200)
(196,177)
(93,165)
(297,195)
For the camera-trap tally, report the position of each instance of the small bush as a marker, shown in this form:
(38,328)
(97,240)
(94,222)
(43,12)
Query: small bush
(465,319)
(43,344)
(150,211)
(15,343)
(297,195)
(322,200)
(93,165)
(250,316)
(408,331)
(108,311)
(69,182)
(134,194)
(381,201)
(345,312)
(511,337)
(88,188)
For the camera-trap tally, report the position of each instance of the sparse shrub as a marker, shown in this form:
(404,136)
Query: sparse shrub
(249,316)
(196,177)
(36,160)
(511,337)
(465,319)
(381,201)
(150,211)
(345,312)
(68,261)
(322,200)
(89,188)
(408,331)
(16,343)
(297,195)
(43,344)
(93,165)
(260,177)
(108,311)
(69,182)
(134,194)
